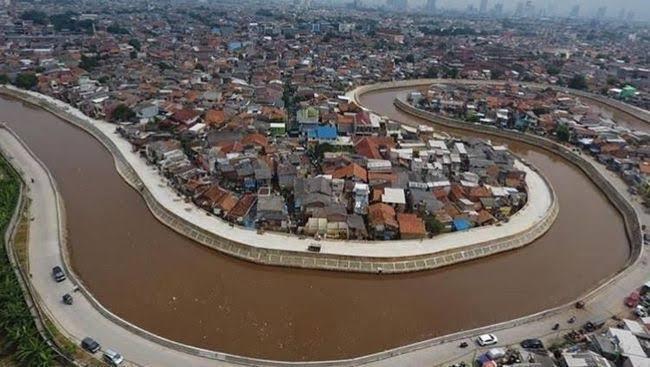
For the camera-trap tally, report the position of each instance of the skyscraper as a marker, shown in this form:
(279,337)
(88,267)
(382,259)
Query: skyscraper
(483,7)
(575,11)
(519,11)
(498,9)
(601,12)
(530,9)
(431,6)
(397,5)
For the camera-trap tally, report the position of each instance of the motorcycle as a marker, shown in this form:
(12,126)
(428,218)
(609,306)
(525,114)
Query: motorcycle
(463,345)
(556,326)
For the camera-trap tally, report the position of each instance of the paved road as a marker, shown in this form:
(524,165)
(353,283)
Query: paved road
(82,319)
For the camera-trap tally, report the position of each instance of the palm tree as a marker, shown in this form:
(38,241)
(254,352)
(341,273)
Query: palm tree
(34,352)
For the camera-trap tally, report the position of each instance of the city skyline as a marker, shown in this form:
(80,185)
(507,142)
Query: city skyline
(588,8)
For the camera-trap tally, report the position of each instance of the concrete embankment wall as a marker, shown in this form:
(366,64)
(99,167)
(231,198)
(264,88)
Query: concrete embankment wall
(298,259)
(632,225)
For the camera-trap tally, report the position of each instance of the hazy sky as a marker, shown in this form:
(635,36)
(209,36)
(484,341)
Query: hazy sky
(641,8)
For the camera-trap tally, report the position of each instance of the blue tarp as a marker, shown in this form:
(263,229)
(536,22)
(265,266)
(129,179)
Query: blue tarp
(462,224)
(233,46)
(323,133)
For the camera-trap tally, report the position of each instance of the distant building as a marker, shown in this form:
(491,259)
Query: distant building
(575,11)
(483,7)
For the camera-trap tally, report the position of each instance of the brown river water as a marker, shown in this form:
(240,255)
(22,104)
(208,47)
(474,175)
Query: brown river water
(165,283)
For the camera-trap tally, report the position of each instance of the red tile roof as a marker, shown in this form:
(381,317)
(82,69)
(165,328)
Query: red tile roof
(215,117)
(352,170)
(382,214)
(411,225)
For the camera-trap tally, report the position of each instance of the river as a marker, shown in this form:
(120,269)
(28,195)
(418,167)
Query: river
(165,283)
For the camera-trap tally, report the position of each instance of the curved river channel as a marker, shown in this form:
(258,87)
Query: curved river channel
(165,283)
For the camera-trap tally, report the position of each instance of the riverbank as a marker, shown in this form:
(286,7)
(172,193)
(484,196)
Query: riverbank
(438,350)
(524,227)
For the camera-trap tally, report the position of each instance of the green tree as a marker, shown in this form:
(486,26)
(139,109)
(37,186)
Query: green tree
(553,70)
(26,80)
(432,224)
(116,29)
(645,194)
(612,80)
(122,113)
(451,73)
(35,16)
(563,133)
(578,82)
(496,74)
(4,79)
(135,43)
(88,63)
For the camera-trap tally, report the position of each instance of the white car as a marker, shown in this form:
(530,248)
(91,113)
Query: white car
(487,339)
(640,311)
(113,358)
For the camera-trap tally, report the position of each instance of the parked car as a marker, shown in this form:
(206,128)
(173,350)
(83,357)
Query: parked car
(532,344)
(90,345)
(487,339)
(58,274)
(113,358)
(633,299)
(67,299)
